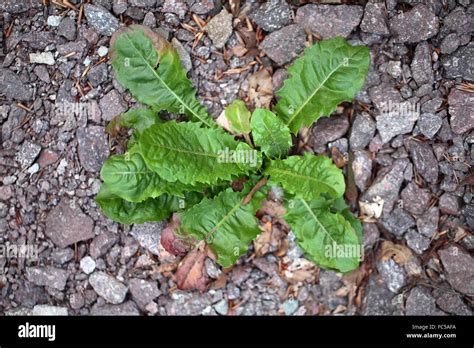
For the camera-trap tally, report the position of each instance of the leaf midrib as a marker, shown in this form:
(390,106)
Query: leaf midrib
(127,173)
(314,93)
(221,221)
(164,84)
(308,208)
(204,154)
(302,176)
(274,142)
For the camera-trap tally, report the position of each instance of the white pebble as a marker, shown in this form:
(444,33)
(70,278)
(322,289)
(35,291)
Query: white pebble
(9,180)
(33,169)
(53,21)
(102,51)
(62,166)
(87,265)
(42,58)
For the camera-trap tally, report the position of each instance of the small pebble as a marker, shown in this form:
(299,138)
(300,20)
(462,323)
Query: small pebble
(102,51)
(87,265)
(53,21)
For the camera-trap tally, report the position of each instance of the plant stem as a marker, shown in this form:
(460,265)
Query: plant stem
(248,140)
(258,185)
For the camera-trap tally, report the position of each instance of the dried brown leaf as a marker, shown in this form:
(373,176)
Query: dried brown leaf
(220,282)
(223,121)
(351,193)
(338,158)
(353,282)
(469,180)
(399,253)
(270,240)
(170,241)
(299,271)
(261,89)
(239,51)
(272,208)
(191,274)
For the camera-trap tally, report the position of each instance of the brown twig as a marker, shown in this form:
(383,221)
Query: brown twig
(254,189)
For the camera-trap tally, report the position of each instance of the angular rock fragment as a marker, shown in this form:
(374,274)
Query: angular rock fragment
(108,287)
(459,266)
(143,291)
(219,28)
(424,160)
(415,25)
(461,111)
(12,87)
(450,204)
(427,224)
(378,298)
(329,21)
(283,45)
(415,199)
(416,241)
(421,302)
(396,119)
(111,105)
(362,168)
(393,274)
(102,243)
(398,222)
(387,185)
(27,154)
(362,131)
(272,15)
(101,19)
(459,63)
(328,129)
(375,19)
(127,308)
(93,147)
(41,310)
(66,224)
(421,69)
(452,303)
(429,124)
(48,276)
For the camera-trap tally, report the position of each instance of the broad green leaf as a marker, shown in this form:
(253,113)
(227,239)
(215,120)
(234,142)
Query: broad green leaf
(307,176)
(128,177)
(270,133)
(139,119)
(136,52)
(341,206)
(329,72)
(328,238)
(191,154)
(238,117)
(152,209)
(224,223)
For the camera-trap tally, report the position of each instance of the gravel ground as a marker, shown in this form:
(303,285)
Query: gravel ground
(407,140)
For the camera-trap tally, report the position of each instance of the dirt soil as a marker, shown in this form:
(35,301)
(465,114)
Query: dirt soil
(405,144)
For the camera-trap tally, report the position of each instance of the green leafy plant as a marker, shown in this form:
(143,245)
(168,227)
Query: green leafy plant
(193,169)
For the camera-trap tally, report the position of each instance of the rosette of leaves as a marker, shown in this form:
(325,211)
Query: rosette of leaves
(190,168)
